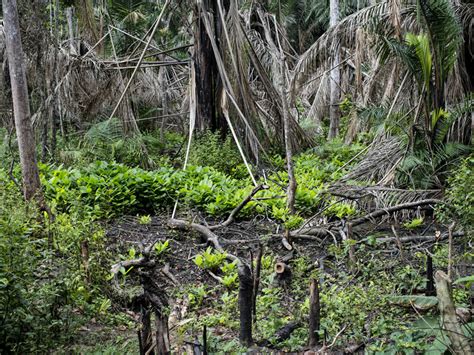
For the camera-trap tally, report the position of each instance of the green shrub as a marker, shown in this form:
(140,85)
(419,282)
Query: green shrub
(460,196)
(43,282)
(209,149)
(105,141)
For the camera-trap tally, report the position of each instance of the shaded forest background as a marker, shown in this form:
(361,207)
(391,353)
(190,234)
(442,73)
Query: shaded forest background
(223,174)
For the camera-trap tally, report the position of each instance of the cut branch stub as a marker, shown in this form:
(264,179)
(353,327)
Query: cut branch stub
(314,313)
(283,273)
(282,268)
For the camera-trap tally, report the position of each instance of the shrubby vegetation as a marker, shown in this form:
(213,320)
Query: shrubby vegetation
(460,195)
(48,288)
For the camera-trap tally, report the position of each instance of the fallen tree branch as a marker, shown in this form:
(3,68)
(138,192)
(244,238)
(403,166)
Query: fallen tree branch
(417,238)
(166,271)
(389,210)
(312,231)
(237,209)
(208,235)
(215,277)
(140,262)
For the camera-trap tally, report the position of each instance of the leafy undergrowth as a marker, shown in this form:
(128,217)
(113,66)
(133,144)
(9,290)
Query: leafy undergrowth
(105,190)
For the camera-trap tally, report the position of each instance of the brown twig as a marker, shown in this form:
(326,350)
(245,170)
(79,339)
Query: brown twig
(417,238)
(256,281)
(450,248)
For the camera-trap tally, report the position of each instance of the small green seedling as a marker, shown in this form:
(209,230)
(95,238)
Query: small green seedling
(209,260)
(144,220)
(162,247)
(414,223)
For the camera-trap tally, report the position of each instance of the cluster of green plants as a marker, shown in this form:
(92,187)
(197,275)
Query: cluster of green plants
(211,149)
(214,261)
(109,189)
(460,196)
(48,288)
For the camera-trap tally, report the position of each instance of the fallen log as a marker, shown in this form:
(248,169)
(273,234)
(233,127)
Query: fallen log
(417,238)
(208,235)
(389,210)
(281,335)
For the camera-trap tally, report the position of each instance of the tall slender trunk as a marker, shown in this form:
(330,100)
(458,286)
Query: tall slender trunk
(335,92)
(70,27)
(21,108)
(288,144)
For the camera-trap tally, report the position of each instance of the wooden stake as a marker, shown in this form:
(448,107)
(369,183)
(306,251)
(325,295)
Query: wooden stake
(430,289)
(314,313)
(245,304)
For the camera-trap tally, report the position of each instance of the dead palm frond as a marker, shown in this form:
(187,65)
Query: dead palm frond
(380,162)
(365,71)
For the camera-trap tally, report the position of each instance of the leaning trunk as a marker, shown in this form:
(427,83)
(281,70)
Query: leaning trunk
(21,108)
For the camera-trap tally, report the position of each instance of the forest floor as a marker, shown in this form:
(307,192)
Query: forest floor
(199,298)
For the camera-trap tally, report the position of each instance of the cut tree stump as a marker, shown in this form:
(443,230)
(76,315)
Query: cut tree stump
(459,342)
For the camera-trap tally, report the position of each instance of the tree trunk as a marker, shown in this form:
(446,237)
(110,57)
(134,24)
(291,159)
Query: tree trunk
(291,194)
(206,70)
(335,92)
(162,333)
(21,108)
(146,339)
(70,27)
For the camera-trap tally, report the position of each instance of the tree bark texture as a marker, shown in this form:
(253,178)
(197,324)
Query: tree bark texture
(21,108)
(245,304)
(208,88)
(314,313)
(162,333)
